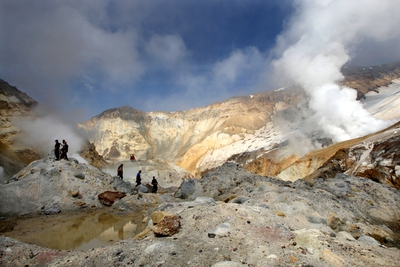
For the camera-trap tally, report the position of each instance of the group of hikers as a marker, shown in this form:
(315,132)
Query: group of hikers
(154,182)
(120,171)
(64,150)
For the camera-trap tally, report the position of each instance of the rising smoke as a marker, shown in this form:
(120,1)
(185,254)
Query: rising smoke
(320,38)
(41,133)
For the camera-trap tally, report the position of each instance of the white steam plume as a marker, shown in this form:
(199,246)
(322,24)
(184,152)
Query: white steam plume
(42,132)
(322,36)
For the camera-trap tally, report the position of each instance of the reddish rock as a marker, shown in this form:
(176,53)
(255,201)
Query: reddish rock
(108,198)
(168,226)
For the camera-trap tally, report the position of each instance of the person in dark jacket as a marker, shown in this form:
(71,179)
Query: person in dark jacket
(64,150)
(57,150)
(155,185)
(138,178)
(120,171)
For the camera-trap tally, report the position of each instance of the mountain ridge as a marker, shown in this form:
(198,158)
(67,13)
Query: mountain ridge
(240,128)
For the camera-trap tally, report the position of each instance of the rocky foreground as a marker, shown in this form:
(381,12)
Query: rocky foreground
(235,218)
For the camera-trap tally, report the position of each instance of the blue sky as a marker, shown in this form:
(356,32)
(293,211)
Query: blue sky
(83,57)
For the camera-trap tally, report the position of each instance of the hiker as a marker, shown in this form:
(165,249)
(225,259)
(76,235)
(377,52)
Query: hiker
(138,178)
(155,185)
(64,150)
(120,171)
(57,150)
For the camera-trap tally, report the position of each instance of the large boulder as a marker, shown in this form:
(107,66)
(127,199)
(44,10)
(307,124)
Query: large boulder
(168,226)
(142,189)
(189,189)
(108,198)
(122,186)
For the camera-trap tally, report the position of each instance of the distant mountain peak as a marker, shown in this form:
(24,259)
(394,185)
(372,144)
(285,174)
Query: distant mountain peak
(9,93)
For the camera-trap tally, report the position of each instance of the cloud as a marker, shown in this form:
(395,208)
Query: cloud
(52,44)
(237,74)
(65,53)
(241,64)
(169,50)
(320,38)
(317,24)
(105,54)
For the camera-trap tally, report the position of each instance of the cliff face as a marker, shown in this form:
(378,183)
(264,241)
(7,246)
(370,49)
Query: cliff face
(375,157)
(14,105)
(239,129)
(197,139)
(365,79)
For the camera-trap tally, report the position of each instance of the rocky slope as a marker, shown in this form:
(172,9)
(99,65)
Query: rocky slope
(197,139)
(66,186)
(47,184)
(14,105)
(16,109)
(365,79)
(232,217)
(374,156)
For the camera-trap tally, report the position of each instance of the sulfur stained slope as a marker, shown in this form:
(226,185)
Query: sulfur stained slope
(193,138)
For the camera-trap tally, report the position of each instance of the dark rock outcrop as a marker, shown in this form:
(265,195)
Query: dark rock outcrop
(365,79)
(122,186)
(89,153)
(108,198)
(377,158)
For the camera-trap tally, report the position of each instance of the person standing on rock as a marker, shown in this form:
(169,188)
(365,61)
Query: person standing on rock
(155,185)
(64,150)
(138,178)
(120,171)
(57,150)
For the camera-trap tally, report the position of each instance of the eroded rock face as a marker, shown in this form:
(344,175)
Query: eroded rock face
(89,153)
(376,157)
(14,105)
(365,79)
(381,163)
(197,139)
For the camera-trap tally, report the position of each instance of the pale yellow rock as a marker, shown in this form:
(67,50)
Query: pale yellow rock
(195,140)
(332,258)
(74,193)
(280,213)
(157,216)
(143,233)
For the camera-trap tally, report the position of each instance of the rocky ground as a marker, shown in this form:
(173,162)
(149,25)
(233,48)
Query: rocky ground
(53,186)
(235,218)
